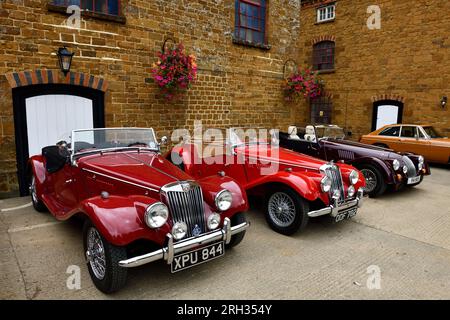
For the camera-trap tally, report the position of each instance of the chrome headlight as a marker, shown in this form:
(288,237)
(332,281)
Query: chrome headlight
(421,159)
(325,184)
(179,230)
(223,200)
(213,221)
(156,215)
(351,191)
(354,177)
(396,164)
(420,166)
(405,169)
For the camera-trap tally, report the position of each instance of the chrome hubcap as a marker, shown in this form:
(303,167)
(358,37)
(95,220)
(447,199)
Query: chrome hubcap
(281,209)
(371,180)
(95,253)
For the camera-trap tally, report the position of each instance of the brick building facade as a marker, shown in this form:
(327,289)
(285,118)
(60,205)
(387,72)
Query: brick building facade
(237,84)
(405,62)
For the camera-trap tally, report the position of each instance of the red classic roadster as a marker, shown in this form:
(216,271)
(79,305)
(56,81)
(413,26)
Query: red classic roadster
(295,187)
(138,207)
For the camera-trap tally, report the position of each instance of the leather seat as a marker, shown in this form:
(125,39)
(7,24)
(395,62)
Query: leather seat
(292,131)
(310,134)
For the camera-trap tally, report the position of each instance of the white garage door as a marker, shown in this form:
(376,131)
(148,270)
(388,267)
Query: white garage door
(387,114)
(52,117)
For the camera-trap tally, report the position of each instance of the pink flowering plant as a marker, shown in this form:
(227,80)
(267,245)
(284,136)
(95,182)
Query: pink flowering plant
(303,83)
(174,72)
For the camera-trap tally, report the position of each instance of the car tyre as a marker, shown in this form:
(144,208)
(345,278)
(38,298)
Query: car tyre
(238,218)
(38,205)
(286,211)
(113,277)
(371,172)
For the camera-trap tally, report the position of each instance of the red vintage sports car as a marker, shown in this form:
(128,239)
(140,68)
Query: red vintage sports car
(295,187)
(138,207)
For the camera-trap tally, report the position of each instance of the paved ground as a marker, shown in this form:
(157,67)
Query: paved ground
(406,235)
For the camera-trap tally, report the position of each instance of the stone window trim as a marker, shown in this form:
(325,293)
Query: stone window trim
(388,96)
(49,76)
(260,30)
(91,14)
(262,46)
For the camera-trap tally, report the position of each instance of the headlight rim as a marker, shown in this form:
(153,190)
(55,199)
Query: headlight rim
(353,177)
(183,225)
(148,211)
(210,217)
(405,169)
(217,198)
(396,165)
(322,185)
(352,187)
(421,159)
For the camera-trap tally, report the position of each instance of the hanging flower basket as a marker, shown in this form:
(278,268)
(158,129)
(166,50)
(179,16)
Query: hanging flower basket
(302,84)
(174,72)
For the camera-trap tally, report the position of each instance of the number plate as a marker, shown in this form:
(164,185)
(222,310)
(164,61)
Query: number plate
(414,180)
(350,213)
(189,259)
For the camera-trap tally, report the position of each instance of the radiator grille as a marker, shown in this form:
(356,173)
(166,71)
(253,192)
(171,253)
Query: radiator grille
(411,168)
(333,172)
(185,202)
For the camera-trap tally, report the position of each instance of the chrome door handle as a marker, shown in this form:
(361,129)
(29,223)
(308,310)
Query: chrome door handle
(69,181)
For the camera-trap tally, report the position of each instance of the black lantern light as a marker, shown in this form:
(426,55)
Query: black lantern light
(65,59)
(444,101)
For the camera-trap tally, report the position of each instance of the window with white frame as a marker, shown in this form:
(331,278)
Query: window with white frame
(327,13)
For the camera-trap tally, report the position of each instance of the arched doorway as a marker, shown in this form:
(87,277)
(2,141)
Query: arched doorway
(44,113)
(386,112)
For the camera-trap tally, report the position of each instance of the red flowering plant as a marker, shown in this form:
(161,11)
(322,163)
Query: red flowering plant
(174,72)
(304,84)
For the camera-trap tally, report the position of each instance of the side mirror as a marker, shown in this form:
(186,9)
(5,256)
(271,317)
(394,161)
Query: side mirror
(416,136)
(163,141)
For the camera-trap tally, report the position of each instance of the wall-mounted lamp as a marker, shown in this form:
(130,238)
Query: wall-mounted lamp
(65,59)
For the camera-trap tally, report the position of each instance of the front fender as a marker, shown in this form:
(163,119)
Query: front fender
(214,184)
(388,173)
(121,219)
(306,185)
(36,167)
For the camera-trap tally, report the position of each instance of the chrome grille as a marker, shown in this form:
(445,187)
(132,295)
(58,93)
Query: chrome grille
(185,202)
(411,168)
(332,171)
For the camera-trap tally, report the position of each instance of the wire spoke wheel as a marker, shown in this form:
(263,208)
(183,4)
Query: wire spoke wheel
(33,192)
(281,209)
(96,253)
(371,180)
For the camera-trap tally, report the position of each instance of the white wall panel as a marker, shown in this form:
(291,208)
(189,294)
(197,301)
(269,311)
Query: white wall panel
(51,118)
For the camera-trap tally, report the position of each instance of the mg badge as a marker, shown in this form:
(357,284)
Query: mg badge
(186,187)
(196,231)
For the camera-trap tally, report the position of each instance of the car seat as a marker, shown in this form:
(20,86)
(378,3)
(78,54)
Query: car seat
(292,131)
(310,134)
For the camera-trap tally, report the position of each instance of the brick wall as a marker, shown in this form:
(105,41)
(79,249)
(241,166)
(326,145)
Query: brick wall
(237,85)
(407,58)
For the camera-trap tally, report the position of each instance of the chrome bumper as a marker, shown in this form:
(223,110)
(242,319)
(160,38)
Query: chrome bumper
(335,209)
(168,252)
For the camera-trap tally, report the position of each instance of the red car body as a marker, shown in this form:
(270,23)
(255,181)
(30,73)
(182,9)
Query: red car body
(113,189)
(300,173)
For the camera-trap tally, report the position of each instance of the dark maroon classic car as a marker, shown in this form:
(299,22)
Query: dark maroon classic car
(381,167)
(138,207)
